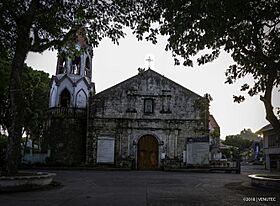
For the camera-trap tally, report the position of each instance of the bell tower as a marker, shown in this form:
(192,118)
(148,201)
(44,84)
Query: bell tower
(71,86)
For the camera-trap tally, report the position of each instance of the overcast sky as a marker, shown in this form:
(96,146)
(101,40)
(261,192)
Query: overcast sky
(115,63)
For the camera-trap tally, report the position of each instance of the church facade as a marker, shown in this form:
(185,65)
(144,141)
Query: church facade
(145,122)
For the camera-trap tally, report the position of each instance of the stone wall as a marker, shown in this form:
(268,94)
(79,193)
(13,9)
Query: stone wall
(119,113)
(171,134)
(65,136)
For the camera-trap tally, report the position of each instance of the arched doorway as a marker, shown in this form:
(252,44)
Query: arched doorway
(65,98)
(147,153)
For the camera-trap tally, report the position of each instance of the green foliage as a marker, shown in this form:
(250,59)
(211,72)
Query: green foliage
(231,153)
(248,30)
(52,23)
(39,25)
(4,71)
(36,92)
(3,140)
(241,143)
(238,141)
(202,106)
(36,96)
(215,133)
(3,143)
(4,82)
(248,134)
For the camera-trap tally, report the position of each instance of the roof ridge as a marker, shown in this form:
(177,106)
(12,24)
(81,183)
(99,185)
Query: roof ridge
(143,73)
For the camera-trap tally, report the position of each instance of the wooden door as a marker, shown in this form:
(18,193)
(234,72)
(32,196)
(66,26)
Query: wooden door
(147,153)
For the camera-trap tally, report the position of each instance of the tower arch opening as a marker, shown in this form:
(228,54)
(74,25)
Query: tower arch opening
(76,65)
(65,98)
(61,64)
(87,67)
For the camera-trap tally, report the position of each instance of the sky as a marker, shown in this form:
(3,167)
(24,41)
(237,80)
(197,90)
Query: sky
(115,63)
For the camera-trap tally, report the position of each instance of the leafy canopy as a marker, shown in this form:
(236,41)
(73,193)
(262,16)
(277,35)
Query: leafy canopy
(238,141)
(35,92)
(52,22)
(249,135)
(249,30)
(37,25)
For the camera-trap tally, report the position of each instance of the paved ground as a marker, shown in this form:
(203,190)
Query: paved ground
(151,188)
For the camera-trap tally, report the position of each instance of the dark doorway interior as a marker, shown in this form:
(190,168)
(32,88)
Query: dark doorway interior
(147,153)
(65,98)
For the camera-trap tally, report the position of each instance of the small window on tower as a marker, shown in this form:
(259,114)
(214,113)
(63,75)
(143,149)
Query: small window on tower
(87,68)
(76,65)
(148,106)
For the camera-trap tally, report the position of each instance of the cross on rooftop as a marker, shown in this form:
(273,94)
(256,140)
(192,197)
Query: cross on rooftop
(149,60)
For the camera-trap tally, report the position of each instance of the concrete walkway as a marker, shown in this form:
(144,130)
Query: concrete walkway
(134,188)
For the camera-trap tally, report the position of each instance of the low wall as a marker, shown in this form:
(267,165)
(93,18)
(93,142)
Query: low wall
(35,158)
(22,183)
(263,180)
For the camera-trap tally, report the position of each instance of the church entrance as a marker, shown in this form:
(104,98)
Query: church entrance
(147,153)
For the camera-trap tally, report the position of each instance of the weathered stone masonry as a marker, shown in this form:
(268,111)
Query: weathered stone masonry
(144,122)
(171,117)
(65,136)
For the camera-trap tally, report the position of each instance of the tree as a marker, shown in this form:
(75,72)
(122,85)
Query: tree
(215,137)
(248,134)
(3,143)
(4,81)
(35,92)
(249,30)
(237,141)
(37,25)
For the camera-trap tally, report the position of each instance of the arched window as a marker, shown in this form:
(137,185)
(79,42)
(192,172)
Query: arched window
(76,65)
(65,98)
(87,68)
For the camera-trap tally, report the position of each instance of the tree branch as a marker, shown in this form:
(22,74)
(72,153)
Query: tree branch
(42,47)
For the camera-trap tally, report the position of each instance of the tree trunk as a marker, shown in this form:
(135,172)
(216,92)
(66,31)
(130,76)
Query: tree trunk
(23,44)
(266,99)
(13,152)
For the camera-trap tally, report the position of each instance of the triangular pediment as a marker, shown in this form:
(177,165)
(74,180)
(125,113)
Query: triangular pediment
(133,83)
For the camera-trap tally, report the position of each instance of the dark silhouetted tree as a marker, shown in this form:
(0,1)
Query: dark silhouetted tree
(37,25)
(248,30)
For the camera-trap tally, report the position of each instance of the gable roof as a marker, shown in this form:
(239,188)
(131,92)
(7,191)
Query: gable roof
(213,123)
(65,76)
(265,128)
(146,73)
